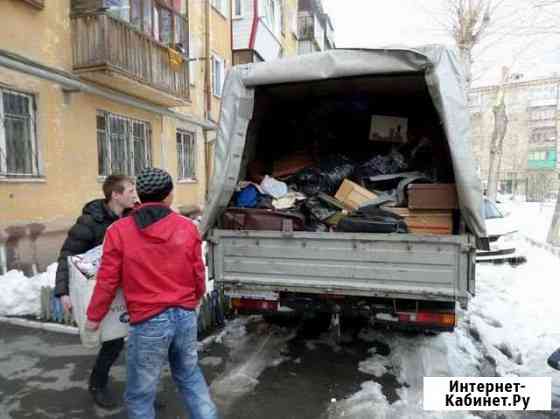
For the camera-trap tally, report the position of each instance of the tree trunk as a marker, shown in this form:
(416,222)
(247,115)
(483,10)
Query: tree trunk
(496,147)
(465,54)
(553,236)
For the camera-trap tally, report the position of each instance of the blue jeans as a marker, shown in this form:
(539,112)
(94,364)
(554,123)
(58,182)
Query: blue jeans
(170,335)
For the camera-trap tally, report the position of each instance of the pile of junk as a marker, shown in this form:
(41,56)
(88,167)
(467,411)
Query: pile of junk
(346,169)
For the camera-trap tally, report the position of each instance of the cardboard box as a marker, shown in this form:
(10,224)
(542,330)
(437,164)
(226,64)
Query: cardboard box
(353,195)
(426,221)
(432,196)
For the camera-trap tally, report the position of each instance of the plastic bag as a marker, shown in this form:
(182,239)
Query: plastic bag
(325,178)
(114,325)
(392,163)
(318,209)
(247,197)
(274,187)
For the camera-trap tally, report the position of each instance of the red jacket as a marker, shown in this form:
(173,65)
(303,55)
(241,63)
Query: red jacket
(155,256)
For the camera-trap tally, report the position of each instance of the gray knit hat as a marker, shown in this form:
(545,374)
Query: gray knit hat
(153,184)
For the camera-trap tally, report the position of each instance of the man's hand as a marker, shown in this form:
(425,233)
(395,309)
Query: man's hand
(91,325)
(66,303)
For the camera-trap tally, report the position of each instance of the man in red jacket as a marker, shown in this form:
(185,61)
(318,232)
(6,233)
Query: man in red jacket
(155,256)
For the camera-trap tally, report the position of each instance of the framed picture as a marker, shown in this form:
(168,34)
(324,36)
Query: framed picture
(392,129)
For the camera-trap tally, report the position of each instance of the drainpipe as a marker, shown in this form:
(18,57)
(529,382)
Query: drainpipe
(163,149)
(207,78)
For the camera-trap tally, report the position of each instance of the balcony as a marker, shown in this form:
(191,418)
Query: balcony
(111,52)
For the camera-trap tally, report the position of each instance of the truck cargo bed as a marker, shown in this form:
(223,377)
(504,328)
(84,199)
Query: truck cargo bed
(376,265)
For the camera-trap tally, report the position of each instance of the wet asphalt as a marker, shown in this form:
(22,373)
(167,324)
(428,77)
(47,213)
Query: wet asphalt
(267,372)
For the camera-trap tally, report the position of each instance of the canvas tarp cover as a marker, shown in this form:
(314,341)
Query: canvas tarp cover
(444,80)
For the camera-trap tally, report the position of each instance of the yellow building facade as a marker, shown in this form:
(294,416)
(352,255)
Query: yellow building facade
(112,86)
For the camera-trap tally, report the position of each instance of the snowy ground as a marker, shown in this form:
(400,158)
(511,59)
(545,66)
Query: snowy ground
(532,218)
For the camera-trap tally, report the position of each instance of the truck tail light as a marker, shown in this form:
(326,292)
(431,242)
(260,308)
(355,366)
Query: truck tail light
(248,304)
(446,320)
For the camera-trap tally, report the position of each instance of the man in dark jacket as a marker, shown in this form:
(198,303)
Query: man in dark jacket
(87,233)
(155,256)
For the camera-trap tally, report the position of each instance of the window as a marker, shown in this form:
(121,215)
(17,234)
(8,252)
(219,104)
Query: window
(538,114)
(294,22)
(186,155)
(221,6)
(490,210)
(271,15)
(157,18)
(123,144)
(217,75)
(546,92)
(237,8)
(543,136)
(18,145)
(119,9)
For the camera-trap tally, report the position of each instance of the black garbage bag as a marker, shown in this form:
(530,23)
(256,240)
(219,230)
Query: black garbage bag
(394,162)
(326,177)
(372,220)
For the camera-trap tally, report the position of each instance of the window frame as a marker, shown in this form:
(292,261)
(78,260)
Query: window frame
(241,13)
(155,20)
(36,167)
(130,154)
(217,59)
(221,8)
(183,155)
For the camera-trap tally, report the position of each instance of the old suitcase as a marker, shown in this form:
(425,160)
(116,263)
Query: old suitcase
(432,196)
(261,219)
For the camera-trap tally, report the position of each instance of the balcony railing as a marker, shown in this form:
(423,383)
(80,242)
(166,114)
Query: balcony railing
(104,43)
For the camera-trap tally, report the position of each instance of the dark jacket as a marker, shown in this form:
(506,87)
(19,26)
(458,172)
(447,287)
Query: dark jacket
(87,233)
(155,256)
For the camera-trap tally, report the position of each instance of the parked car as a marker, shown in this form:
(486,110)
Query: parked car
(505,243)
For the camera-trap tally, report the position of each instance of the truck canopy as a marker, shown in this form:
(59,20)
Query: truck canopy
(435,69)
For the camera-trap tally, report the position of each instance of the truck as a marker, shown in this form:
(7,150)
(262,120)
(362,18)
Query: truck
(405,280)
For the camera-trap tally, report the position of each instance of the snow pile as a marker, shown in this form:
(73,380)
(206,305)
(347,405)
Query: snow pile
(531,218)
(516,316)
(21,295)
(411,358)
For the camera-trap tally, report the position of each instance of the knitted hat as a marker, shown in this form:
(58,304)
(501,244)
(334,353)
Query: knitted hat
(153,185)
